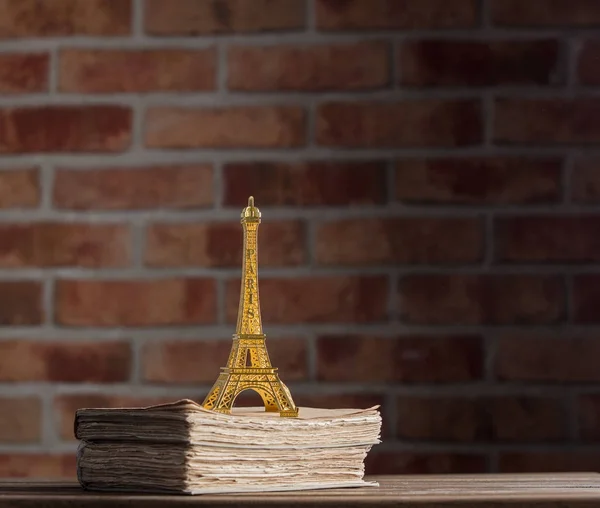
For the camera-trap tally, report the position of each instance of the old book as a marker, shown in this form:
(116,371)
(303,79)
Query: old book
(183,447)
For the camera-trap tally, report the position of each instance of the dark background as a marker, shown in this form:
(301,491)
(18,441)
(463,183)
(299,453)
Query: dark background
(428,176)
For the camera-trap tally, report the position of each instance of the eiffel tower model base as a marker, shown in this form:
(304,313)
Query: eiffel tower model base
(259,376)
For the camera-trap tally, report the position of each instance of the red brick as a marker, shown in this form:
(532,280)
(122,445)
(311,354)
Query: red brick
(136,302)
(19,188)
(549,462)
(226,127)
(399,240)
(395,14)
(220,244)
(199,361)
(64,244)
(331,299)
(585,180)
(586,291)
(476,419)
(440,62)
(23,72)
(545,13)
(421,122)
(191,17)
(66,362)
(487,180)
(589,416)
(547,121)
(38,465)
(548,238)
(409,462)
(134,188)
(21,420)
(65,128)
(31,18)
(21,303)
(363,65)
(325,183)
(507,299)
(410,359)
(66,405)
(151,70)
(547,359)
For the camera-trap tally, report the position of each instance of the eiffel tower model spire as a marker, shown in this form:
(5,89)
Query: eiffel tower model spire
(249,366)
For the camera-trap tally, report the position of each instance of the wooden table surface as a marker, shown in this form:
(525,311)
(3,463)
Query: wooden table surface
(517,491)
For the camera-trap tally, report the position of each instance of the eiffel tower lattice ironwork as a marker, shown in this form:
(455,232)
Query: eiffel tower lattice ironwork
(249,366)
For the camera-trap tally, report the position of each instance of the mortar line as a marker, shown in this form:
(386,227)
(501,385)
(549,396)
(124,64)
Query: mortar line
(311,124)
(390,413)
(278,214)
(311,17)
(46,182)
(92,333)
(493,33)
(138,240)
(384,331)
(218,185)
(56,448)
(216,99)
(137,22)
(488,111)
(489,254)
(310,241)
(48,294)
(395,66)
(489,352)
(138,157)
(573,50)
(394,311)
(53,71)
(221,299)
(485,15)
(567,174)
(311,357)
(138,112)
(222,70)
(568,291)
(390,183)
(50,437)
(285,273)
(136,362)
(572,416)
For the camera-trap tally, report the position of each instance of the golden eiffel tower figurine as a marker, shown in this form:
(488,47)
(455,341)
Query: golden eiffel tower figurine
(249,367)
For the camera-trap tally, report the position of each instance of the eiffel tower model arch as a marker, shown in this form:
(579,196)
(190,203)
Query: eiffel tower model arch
(249,366)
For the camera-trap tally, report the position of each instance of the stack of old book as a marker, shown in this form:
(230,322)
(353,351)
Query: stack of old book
(182,447)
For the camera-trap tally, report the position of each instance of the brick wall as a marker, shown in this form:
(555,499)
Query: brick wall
(429,184)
